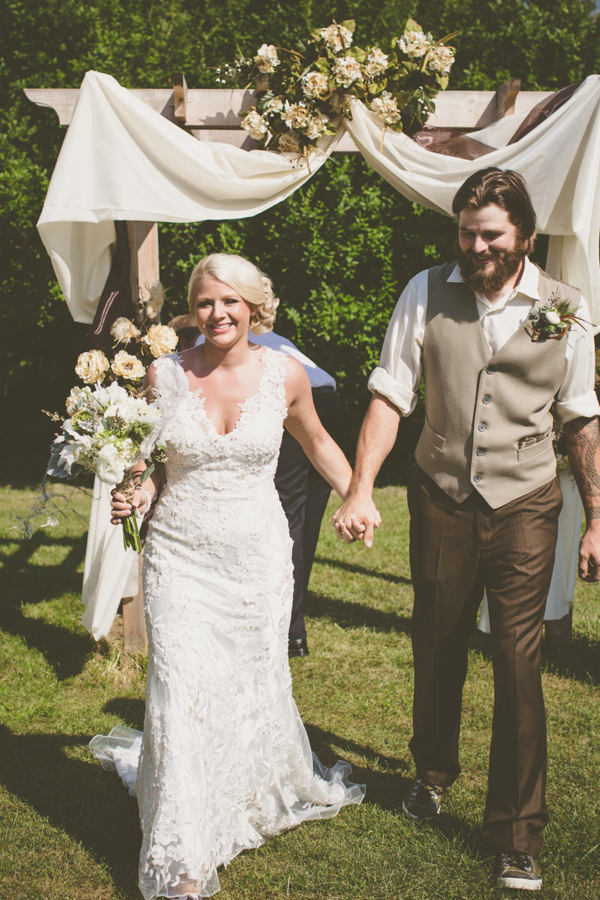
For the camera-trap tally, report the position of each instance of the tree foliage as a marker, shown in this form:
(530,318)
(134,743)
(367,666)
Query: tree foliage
(338,250)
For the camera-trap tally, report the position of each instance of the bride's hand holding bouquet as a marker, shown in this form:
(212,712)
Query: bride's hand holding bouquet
(108,431)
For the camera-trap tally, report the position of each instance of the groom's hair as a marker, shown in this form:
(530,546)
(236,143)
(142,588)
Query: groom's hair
(505,189)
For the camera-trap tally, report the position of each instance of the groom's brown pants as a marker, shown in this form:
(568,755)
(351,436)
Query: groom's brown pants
(457,550)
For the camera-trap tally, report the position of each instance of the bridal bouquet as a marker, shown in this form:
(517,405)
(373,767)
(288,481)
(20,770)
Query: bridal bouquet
(301,92)
(107,430)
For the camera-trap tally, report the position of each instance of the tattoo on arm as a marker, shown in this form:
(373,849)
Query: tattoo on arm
(583,448)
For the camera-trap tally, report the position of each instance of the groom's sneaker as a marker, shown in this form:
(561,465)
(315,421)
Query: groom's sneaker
(422,801)
(519,870)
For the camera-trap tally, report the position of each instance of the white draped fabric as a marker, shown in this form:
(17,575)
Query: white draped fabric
(560,594)
(110,572)
(122,160)
(559,160)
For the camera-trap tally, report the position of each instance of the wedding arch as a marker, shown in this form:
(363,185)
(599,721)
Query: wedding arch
(177,155)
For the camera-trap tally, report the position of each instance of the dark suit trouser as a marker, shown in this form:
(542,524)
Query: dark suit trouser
(457,550)
(304,494)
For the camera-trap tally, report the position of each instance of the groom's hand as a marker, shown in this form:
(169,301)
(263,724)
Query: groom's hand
(356,520)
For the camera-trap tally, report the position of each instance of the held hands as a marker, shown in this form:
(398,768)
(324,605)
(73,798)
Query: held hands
(121,508)
(356,520)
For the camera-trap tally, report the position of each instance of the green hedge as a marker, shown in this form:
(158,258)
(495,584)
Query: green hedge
(339,250)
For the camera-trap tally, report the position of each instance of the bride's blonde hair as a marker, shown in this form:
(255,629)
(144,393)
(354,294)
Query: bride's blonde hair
(246,279)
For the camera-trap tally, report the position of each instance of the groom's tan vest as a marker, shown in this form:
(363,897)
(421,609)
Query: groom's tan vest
(488,423)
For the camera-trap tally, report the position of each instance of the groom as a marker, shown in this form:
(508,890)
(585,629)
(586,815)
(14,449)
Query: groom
(483,500)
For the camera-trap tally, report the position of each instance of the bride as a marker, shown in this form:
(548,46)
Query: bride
(225,761)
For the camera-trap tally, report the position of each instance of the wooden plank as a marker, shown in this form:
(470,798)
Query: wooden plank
(143,272)
(180,97)
(219,108)
(144,266)
(506,96)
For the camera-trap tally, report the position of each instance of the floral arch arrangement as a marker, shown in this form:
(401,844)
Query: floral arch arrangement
(306,89)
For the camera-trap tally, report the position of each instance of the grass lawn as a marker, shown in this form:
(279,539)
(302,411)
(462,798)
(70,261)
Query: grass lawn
(69,830)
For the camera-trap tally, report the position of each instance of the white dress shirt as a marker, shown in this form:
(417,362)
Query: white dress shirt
(400,366)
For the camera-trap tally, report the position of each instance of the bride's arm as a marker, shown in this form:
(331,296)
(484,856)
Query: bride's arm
(146,491)
(304,424)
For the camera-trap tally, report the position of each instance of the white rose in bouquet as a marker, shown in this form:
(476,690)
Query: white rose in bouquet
(77,398)
(71,451)
(110,468)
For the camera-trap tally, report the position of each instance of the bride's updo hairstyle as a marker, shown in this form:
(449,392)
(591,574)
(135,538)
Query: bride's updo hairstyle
(246,279)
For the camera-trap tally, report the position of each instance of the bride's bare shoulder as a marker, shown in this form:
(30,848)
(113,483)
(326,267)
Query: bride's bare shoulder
(185,358)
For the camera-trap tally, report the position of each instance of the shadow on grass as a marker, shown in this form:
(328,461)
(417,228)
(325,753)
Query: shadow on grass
(92,807)
(362,570)
(24,583)
(577,658)
(77,797)
(386,789)
(354,615)
(130,710)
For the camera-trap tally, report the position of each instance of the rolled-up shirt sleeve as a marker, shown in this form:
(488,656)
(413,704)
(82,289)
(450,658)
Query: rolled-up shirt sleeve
(577,397)
(400,365)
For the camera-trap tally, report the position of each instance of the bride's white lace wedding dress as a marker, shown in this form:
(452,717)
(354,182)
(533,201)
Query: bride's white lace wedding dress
(225,761)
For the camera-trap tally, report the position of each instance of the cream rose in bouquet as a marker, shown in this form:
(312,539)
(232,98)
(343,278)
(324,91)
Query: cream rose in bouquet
(107,431)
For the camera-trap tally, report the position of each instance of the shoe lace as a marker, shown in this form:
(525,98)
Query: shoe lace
(432,791)
(515,858)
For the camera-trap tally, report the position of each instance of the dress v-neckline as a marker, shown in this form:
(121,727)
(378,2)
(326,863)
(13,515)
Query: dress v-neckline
(198,394)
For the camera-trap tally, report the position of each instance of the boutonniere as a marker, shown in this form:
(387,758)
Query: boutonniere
(551,321)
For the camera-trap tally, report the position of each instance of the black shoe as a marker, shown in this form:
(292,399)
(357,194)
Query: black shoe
(297,647)
(518,870)
(422,801)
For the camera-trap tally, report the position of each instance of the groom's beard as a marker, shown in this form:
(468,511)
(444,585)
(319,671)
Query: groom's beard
(506,264)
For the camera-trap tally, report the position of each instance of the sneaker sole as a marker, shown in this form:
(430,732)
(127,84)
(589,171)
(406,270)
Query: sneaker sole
(520,884)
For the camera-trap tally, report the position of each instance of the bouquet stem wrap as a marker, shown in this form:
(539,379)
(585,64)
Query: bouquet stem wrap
(131,534)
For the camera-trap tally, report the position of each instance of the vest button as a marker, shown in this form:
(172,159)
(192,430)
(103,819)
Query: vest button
(480,451)
(481,428)
(477,477)
(486,399)
(489,370)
